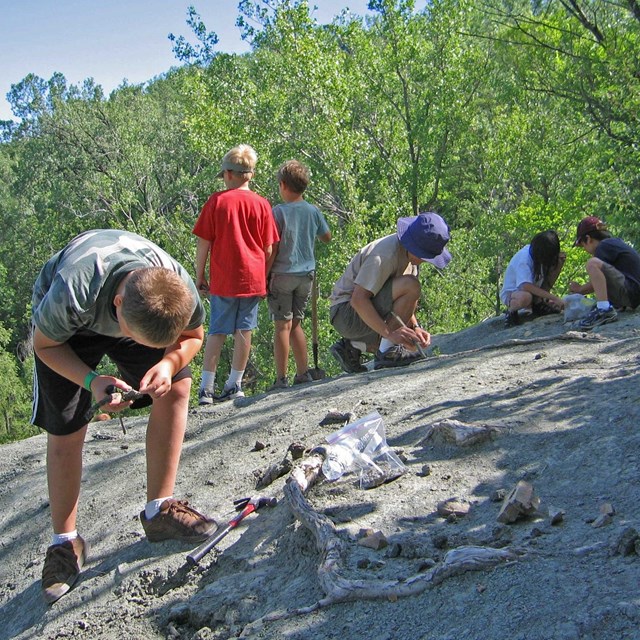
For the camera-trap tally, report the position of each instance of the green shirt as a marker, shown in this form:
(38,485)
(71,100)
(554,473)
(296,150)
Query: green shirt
(75,289)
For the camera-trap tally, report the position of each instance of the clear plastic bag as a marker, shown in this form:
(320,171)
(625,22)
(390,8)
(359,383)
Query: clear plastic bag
(362,446)
(577,306)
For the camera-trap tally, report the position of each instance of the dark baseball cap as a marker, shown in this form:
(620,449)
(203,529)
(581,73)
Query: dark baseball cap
(586,226)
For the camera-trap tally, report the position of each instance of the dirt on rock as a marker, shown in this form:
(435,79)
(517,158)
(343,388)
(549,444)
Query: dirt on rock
(564,412)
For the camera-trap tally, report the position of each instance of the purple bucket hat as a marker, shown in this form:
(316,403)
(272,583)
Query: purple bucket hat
(425,236)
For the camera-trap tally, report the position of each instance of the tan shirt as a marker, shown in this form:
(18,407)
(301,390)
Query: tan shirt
(371,267)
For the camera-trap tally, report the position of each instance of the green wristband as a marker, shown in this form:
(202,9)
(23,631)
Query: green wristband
(89,378)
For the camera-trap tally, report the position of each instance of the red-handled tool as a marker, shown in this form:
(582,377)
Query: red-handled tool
(246,506)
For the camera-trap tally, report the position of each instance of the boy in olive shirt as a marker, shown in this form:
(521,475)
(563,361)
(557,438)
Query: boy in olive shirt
(110,292)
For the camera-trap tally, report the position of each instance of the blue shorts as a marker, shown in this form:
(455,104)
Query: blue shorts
(229,315)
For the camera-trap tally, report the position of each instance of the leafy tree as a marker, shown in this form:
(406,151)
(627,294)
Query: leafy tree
(14,397)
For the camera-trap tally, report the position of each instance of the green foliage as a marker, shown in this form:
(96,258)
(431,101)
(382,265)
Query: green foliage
(508,118)
(15,408)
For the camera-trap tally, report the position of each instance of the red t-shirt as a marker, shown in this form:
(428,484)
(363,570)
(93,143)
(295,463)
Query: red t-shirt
(239,224)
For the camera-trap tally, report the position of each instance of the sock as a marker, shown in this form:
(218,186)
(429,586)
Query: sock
(152,508)
(385,344)
(234,379)
(603,305)
(60,538)
(360,346)
(208,381)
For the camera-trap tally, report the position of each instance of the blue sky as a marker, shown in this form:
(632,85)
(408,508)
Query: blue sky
(112,40)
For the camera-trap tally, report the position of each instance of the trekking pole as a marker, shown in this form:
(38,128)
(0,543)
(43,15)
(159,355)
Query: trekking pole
(246,506)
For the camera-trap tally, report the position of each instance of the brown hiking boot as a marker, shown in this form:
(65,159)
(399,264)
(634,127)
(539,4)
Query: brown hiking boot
(177,521)
(62,566)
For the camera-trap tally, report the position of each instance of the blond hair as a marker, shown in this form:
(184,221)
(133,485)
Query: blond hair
(294,175)
(158,304)
(242,155)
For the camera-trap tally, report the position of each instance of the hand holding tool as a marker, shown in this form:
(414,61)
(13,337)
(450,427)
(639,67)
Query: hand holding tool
(127,396)
(416,344)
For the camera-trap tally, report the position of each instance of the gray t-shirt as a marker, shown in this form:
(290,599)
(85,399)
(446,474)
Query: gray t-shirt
(75,289)
(299,223)
(371,267)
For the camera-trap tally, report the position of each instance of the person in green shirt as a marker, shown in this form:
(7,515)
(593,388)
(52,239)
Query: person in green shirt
(111,292)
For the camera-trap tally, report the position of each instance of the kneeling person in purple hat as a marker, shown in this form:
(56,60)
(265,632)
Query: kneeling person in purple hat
(373,304)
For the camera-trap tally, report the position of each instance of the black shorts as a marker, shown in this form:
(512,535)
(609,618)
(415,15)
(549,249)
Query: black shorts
(60,406)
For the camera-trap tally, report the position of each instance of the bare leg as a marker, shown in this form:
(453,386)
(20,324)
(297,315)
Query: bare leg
(520,300)
(64,472)
(406,293)
(212,351)
(299,348)
(597,279)
(241,349)
(282,331)
(165,433)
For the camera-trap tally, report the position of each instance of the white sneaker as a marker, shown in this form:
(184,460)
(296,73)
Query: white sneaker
(205,397)
(229,394)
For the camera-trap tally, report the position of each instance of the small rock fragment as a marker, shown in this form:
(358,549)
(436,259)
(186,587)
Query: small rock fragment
(606,508)
(297,450)
(337,417)
(376,540)
(602,520)
(556,516)
(453,506)
(425,471)
(522,501)
(627,542)
(426,564)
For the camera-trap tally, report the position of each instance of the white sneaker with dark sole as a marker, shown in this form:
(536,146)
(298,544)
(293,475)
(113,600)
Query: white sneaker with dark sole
(229,394)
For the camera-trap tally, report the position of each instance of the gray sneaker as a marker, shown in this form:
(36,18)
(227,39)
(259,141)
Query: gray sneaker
(596,317)
(280,383)
(62,566)
(229,394)
(348,356)
(177,521)
(205,397)
(303,378)
(396,356)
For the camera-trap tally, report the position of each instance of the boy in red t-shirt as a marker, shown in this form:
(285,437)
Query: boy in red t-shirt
(236,232)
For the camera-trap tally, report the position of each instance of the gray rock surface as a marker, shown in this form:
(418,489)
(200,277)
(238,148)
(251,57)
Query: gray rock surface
(568,405)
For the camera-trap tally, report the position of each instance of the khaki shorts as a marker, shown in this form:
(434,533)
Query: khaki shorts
(289,295)
(350,325)
(617,292)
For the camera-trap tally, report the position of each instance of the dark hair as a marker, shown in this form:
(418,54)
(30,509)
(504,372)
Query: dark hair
(596,234)
(295,176)
(545,251)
